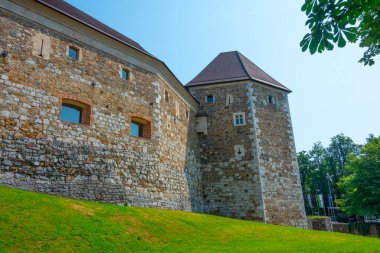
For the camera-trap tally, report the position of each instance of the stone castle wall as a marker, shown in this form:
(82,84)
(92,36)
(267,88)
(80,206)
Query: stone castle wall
(280,179)
(263,182)
(246,172)
(99,161)
(230,180)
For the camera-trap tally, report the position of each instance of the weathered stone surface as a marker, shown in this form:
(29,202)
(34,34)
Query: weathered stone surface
(100,161)
(248,171)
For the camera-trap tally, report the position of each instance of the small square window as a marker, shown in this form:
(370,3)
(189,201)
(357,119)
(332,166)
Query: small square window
(210,99)
(140,127)
(271,100)
(124,74)
(73,53)
(239,119)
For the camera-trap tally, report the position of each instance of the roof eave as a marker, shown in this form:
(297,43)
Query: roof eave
(190,85)
(113,37)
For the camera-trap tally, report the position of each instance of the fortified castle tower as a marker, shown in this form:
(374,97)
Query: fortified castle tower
(248,158)
(87,113)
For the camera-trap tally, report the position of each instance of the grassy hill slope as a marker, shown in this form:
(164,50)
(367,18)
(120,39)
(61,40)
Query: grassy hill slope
(32,222)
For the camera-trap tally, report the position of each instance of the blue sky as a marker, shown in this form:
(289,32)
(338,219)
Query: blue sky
(332,92)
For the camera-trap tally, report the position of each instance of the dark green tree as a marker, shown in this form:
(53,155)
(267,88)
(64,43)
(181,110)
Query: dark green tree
(338,21)
(338,152)
(362,186)
(313,171)
(306,173)
(318,156)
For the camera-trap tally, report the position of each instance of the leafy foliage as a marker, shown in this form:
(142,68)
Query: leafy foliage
(362,185)
(321,168)
(341,21)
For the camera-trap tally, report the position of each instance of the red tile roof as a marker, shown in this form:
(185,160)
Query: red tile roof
(80,16)
(232,67)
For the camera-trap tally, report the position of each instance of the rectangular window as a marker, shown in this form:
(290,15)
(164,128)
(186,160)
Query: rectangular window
(271,100)
(73,53)
(229,99)
(136,129)
(71,113)
(239,119)
(124,74)
(210,99)
(140,127)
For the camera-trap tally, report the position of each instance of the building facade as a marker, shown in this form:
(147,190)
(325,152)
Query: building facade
(87,113)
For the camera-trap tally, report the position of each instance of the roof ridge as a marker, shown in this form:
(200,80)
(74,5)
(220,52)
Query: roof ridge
(259,69)
(242,64)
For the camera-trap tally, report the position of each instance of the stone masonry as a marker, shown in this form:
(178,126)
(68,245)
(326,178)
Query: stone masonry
(247,171)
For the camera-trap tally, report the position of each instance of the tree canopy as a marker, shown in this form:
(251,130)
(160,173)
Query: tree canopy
(336,22)
(321,168)
(361,186)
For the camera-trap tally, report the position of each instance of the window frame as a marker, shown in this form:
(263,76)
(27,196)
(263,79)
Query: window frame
(207,97)
(73,48)
(84,107)
(144,123)
(127,72)
(238,115)
(271,100)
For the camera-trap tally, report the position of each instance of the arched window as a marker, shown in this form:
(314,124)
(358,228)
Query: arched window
(141,127)
(75,112)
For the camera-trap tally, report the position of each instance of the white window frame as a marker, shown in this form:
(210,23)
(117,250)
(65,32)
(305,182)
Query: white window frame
(235,117)
(213,99)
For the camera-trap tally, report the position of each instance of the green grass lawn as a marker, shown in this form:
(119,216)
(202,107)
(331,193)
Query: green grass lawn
(32,222)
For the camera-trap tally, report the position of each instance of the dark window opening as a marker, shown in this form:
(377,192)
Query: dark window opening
(210,99)
(187,114)
(166,96)
(140,128)
(73,53)
(41,49)
(271,100)
(71,113)
(124,74)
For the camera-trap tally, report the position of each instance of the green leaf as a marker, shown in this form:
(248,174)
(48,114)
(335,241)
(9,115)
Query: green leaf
(341,41)
(329,45)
